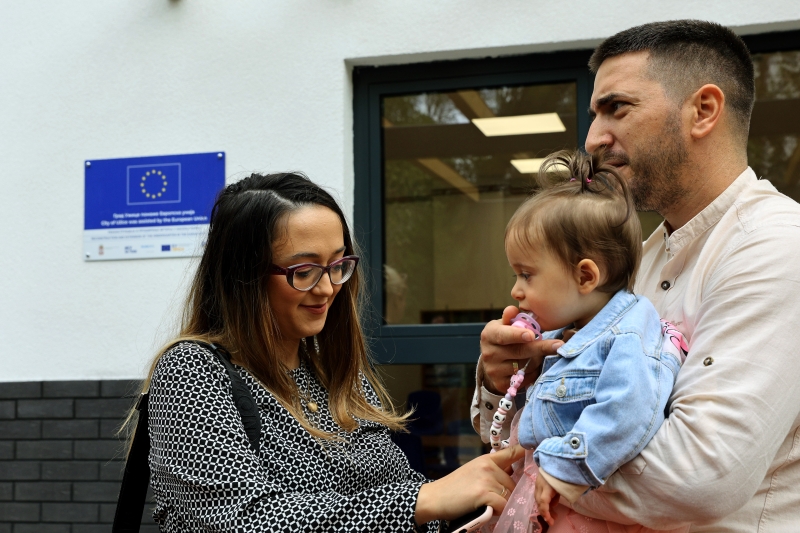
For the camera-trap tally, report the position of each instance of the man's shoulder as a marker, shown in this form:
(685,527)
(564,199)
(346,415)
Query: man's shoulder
(763,206)
(759,218)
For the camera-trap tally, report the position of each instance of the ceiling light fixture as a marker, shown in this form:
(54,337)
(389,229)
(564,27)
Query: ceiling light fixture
(530,166)
(520,124)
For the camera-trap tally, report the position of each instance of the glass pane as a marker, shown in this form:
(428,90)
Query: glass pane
(773,149)
(440,437)
(454,173)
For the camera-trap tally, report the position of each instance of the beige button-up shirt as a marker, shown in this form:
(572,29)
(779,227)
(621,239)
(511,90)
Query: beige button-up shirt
(728,457)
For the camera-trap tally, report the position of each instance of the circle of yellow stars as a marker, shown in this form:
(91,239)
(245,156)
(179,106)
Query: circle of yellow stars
(153,191)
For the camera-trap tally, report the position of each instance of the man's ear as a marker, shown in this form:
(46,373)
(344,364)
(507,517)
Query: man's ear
(706,106)
(587,274)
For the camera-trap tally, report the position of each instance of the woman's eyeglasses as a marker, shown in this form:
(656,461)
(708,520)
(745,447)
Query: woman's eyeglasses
(305,276)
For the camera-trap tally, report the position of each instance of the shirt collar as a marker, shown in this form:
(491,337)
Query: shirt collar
(597,326)
(709,216)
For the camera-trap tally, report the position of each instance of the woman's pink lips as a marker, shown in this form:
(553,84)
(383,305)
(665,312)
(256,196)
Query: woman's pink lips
(316,309)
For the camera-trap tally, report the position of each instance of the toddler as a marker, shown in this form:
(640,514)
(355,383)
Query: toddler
(575,248)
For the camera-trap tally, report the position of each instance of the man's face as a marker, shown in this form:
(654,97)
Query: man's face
(640,128)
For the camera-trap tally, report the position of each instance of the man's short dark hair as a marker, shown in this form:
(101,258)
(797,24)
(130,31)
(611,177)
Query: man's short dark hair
(687,54)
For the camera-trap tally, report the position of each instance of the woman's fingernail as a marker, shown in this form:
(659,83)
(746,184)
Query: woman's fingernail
(557,345)
(527,337)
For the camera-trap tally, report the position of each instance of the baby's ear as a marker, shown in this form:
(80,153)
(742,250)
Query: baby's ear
(587,275)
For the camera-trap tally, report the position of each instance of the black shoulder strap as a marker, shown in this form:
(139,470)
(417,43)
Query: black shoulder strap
(241,397)
(133,492)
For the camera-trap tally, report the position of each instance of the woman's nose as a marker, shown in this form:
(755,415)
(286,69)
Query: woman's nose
(324,286)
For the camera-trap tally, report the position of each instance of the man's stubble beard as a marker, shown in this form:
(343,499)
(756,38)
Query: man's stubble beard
(656,169)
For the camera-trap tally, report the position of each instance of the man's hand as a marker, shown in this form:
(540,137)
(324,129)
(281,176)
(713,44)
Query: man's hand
(502,344)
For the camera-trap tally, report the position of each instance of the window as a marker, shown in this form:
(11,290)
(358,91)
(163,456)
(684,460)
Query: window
(456,165)
(439,171)
(773,149)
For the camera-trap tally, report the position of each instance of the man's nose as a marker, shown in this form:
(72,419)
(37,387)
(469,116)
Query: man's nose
(598,137)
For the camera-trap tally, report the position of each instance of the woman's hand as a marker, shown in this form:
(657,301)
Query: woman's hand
(479,482)
(502,344)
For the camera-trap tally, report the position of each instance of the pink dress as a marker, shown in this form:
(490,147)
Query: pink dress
(521,515)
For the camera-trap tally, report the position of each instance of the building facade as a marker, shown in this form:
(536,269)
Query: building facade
(388,104)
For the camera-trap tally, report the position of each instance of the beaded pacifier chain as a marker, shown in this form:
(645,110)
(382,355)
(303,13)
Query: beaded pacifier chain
(526,321)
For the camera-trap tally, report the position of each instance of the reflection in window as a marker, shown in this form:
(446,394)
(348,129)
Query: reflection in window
(773,149)
(453,176)
(440,436)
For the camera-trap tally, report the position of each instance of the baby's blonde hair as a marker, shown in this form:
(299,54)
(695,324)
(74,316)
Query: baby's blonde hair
(584,211)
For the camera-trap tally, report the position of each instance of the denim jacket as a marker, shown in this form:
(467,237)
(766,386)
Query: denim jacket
(602,398)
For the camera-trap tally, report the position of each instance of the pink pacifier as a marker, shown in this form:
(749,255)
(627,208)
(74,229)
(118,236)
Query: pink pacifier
(524,320)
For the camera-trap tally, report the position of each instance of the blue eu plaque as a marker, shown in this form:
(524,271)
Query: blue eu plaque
(147,207)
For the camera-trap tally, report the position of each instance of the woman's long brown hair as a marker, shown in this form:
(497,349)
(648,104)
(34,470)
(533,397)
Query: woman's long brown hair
(228,304)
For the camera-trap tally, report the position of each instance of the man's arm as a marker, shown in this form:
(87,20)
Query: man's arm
(484,404)
(501,346)
(735,400)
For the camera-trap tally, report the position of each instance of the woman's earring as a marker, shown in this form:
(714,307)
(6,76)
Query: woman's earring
(316,345)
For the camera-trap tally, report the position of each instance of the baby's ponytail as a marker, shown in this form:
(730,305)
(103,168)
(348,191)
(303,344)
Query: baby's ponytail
(584,210)
(589,172)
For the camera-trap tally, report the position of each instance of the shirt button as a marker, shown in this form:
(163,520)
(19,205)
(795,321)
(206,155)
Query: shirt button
(665,285)
(488,406)
(561,391)
(708,361)
(575,442)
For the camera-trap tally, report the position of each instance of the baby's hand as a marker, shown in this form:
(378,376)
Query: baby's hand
(545,497)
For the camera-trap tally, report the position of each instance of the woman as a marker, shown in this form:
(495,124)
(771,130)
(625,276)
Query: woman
(277,287)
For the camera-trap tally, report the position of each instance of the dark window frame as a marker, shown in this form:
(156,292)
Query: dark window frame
(449,343)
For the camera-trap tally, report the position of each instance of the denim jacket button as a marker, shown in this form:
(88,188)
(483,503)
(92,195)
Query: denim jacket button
(575,442)
(561,391)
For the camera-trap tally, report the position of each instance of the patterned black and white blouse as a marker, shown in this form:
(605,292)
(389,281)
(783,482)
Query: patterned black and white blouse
(206,477)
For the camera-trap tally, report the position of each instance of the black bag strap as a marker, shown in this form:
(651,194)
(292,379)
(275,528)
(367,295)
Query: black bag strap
(133,492)
(135,480)
(241,397)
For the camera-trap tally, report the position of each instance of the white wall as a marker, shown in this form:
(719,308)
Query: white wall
(268,82)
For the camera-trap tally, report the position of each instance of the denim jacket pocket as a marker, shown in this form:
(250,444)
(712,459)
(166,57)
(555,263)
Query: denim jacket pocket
(567,389)
(564,398)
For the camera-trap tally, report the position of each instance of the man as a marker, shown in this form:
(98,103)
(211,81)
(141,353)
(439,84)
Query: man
(671,106)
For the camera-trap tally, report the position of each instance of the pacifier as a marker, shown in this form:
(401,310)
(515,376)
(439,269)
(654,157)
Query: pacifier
(526,321)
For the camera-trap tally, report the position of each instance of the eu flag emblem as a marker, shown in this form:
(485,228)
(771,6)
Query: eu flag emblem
(154,184)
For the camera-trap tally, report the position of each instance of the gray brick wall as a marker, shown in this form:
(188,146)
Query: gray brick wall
(60,461)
